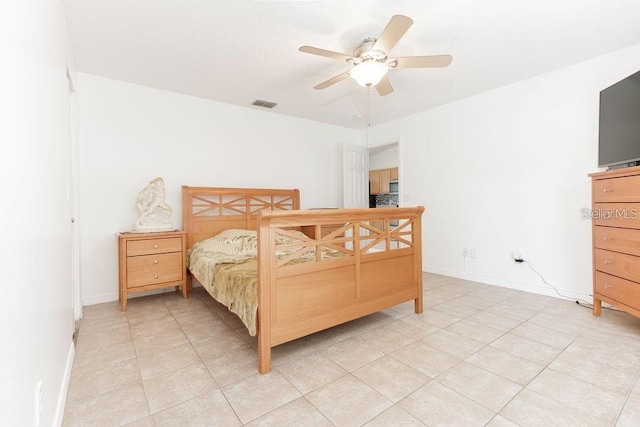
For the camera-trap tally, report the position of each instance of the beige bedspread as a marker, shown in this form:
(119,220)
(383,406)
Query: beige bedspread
(226,266)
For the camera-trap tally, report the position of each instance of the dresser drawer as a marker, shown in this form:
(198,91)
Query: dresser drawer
(617,240)
(623,215)
(151,269)
(618,289)
(617,264)
(623,189)
(154,246)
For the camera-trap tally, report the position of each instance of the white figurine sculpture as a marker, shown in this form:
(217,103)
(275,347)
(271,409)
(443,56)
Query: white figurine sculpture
(154,212)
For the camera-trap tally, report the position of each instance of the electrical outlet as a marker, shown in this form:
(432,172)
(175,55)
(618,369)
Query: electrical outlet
(517,256)
(465,253)
(473,253)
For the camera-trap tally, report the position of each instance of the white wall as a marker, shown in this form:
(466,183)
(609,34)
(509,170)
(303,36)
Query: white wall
(506,170)
(130,134)
(385,157)
(36,316)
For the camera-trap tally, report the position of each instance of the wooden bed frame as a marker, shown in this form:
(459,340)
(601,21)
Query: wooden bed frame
(381,266)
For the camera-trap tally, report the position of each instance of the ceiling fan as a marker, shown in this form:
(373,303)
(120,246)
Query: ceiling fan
(370,60)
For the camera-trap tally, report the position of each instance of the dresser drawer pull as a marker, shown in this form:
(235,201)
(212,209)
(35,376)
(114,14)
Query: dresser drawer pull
(608,286)
(606,238)
(606,190)
(607,262)
(155,261)
(155,246)
(155,277)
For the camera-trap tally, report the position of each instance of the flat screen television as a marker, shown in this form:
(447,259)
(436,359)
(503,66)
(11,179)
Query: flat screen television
(619,135)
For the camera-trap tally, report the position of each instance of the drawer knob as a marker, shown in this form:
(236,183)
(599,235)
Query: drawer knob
(606,190)
(155,277)
(155,261)
(606,238)
(608,286)
(607,262)
(155,246)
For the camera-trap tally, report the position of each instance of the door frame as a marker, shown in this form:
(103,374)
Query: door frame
(73,191)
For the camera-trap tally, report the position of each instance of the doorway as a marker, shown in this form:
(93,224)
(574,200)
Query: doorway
(384,175)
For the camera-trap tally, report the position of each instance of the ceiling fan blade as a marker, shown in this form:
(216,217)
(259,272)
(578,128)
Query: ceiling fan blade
(332,80)
(326,53)
(395,29)
(384,87)
(421,61)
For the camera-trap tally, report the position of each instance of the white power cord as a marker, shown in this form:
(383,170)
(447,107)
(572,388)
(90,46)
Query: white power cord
(522,260)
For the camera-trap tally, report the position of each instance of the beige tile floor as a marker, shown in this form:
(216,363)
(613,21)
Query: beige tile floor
(478,355)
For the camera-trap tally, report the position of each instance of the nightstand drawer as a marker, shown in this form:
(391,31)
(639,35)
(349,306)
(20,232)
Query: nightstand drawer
(618,289)
(154,246)
(151,269)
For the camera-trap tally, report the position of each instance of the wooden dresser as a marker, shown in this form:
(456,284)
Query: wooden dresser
(150,261)
(616,239)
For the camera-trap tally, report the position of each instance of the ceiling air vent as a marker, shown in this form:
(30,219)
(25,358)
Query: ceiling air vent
(265,104)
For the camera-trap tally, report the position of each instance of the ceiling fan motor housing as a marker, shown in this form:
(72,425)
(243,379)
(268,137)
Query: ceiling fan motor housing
(365,51)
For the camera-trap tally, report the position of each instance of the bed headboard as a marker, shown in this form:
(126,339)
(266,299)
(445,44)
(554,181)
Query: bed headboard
(206,211)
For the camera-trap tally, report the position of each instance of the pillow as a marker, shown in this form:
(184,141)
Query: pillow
(233,241)
(243,243)
(235,234)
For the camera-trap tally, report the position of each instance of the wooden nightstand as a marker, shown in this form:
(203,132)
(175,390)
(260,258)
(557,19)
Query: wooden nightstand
(150,261)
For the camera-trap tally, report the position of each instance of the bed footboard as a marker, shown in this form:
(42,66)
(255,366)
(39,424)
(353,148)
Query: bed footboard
(375,262)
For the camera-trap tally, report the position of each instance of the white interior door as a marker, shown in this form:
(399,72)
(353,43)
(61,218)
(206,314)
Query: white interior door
(355,176)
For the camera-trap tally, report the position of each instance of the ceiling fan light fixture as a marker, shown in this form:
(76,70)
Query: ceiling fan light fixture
(369,73)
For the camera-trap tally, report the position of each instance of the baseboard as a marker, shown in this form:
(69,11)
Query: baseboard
(113,296)
(62,397)
(99,299)
(510,284)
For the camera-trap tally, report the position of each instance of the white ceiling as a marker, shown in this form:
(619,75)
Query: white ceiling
(239,51)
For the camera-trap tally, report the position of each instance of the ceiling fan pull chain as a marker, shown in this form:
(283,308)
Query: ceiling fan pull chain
(368,114)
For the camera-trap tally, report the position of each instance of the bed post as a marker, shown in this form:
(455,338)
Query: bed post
(186,226)
(417,237)
(186,209)
(265,253)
